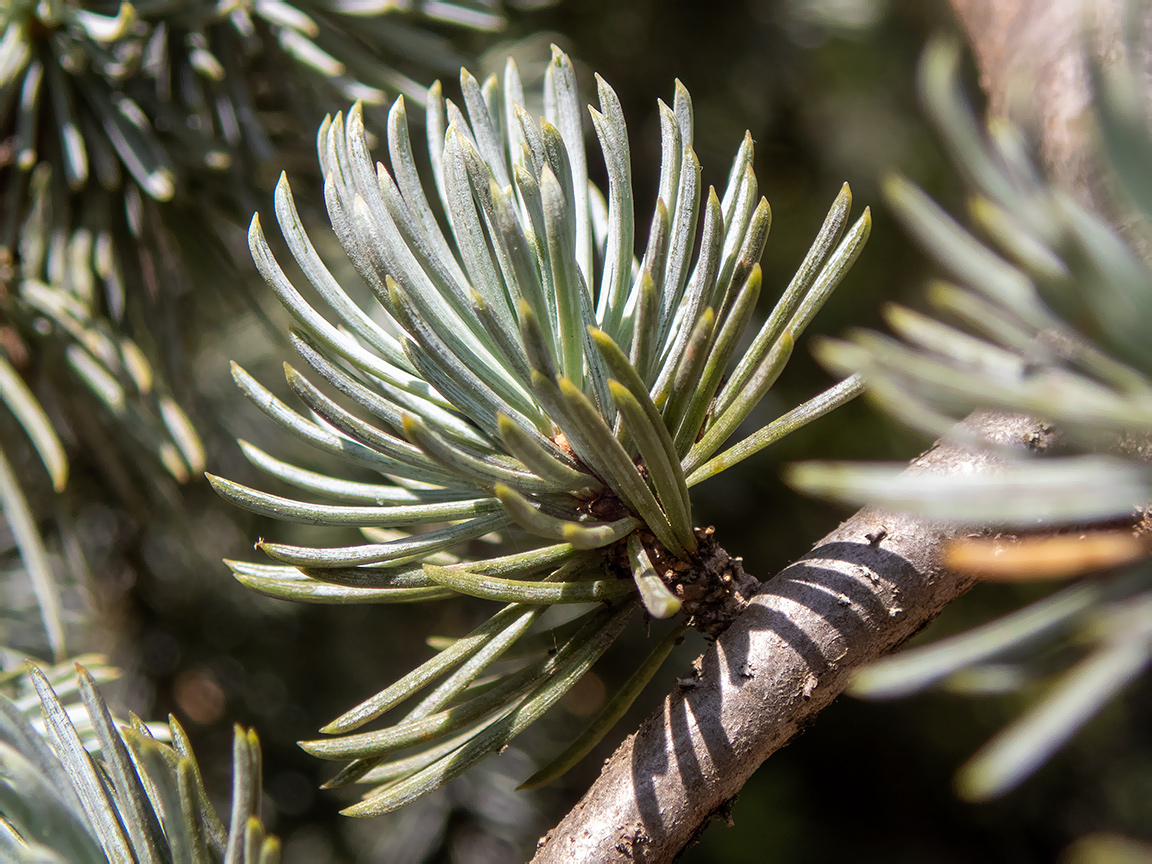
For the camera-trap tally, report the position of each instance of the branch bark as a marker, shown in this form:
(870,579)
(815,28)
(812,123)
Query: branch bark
(856,596)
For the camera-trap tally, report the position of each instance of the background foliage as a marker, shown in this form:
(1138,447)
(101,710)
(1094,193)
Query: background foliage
(827,90)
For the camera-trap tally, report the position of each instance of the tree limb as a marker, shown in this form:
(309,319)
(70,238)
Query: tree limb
(856,596)
(1033,72)
(1033,57)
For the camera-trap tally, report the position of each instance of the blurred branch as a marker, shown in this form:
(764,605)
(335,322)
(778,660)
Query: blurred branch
(1033,58)
(867,587)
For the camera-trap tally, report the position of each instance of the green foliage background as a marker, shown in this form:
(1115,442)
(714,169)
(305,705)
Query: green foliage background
(827,91)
